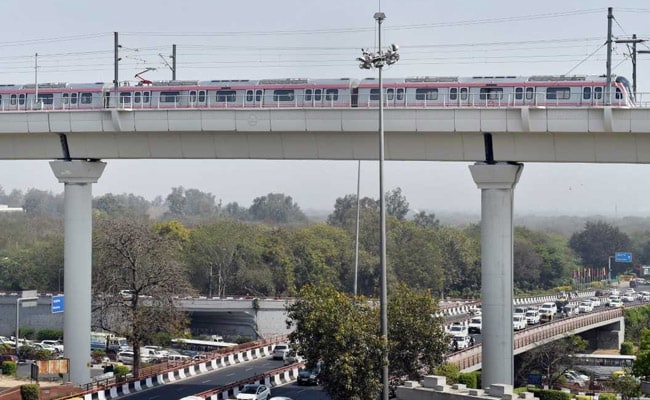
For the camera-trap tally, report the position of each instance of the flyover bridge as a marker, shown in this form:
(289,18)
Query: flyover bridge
(77,141)
(609,325)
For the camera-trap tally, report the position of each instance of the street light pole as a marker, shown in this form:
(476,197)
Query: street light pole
(609,270)
(378,60)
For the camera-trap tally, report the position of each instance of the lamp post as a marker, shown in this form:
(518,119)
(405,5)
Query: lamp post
(60,270)
(609,270)
(377,60)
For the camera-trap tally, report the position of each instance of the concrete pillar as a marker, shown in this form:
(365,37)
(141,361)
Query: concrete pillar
(77,177)
(497,183)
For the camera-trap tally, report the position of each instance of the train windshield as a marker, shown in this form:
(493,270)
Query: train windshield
(626,84)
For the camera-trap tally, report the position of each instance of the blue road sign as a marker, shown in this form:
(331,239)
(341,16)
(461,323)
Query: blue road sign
(623,257)
(58,304)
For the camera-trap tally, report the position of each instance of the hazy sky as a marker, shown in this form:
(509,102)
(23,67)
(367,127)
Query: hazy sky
(306,38)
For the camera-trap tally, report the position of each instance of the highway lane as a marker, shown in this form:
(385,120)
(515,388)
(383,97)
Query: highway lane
(207,381)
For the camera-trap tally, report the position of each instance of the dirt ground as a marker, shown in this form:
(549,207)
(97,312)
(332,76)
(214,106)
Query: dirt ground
(7,382)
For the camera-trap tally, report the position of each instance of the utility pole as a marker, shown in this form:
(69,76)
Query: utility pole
(173,62)
(634,41)
(117,59)
(173,57)
(608,87)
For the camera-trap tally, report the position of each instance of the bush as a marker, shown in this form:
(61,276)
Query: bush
(121,371)
(27,333)
(549,394)
(627,348)
(49,334)
(9,368)
(583,397)
(30,391)
(607,396)
(450,371)
(469,379)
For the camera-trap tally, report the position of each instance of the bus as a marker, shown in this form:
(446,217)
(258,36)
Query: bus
(200,346)
(603,365)
(107,341)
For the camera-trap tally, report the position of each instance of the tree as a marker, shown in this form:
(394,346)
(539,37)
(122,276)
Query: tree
(121,205)
(176,201)
(396,204)
(626,386)
(40,202)
(553,358)
(426,220)
(343,332)
(332,327)
(277,208)
(131,256)
(597,242)
(412,311)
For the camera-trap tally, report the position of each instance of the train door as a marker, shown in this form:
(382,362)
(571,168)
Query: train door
(394,97)
(459,96)
(253,98)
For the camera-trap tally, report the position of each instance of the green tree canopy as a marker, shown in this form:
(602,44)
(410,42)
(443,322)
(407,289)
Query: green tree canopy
(597,242)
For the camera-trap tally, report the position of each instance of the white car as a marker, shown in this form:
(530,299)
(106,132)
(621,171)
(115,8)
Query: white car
(460,342)
(548,308)
(280,351)
(585,306)
(254,392)
(57,344)
(519,322)
(458,329)
(595,302)
(532,317)
(615,302)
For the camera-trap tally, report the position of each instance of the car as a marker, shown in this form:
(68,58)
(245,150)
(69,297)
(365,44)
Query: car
(585,306)
(461,342)
(518,322)
(125,357)
(574,379)
(532,317)
(628,297)
(45,347)
(595,302)
(57,344)
(520,310)
(280,351)
(310,376)
(475,325)
(570,310)
(254,392)
(645,296)
(548,308)
(457,329)
(615,302)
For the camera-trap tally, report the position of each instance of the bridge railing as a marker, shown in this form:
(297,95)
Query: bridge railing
(469,358)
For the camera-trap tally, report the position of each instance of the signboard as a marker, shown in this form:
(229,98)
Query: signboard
(51,367)
(623,257)
(58,304)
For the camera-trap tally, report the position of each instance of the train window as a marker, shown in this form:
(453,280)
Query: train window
(86,98)
(125,98)
(192,96)
(73,98)
(46,98)
(318,94)
(21,99)
(426,94)
(400,94)
(619,94)
(170,97)
(491,93)
(226,96)
(12,100)
(145,97)
(558,93)
(464,93)
(453,93)
(137,97)
(307,94)
(530,93)
(65,98)
(0,99)
(331,94)
(285,95)
(201,96)
(598,93)
(258,95)
(374,94)
(586,93)
(519,93)
(390,94)
(249,95)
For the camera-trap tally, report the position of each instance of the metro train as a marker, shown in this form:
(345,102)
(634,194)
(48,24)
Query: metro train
(426,91)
